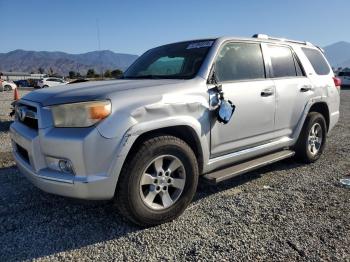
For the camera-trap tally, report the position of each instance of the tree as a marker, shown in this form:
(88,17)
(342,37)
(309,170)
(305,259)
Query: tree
(41,70)
(117,73)
(108,73)
(90,73)
(72,74)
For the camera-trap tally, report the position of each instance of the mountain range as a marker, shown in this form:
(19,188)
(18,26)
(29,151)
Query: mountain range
(61,63)
(338,54)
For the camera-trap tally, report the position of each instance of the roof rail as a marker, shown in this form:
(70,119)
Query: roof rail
(263,36)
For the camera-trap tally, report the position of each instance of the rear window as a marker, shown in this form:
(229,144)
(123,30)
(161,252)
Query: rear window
(317,61)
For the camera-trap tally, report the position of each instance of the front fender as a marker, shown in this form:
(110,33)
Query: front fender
(137,130)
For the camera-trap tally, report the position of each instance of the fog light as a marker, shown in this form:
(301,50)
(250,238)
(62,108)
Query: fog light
(65,166)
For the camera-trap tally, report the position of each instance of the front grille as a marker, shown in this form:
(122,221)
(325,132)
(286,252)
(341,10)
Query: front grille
(27,115)
(23,153)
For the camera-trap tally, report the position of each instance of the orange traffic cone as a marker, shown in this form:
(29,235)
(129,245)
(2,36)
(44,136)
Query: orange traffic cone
(15,94)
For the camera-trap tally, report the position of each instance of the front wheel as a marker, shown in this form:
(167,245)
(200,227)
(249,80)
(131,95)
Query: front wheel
(312,138)
(158,182)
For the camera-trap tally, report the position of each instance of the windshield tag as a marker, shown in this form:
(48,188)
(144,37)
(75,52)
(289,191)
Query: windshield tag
(200,44)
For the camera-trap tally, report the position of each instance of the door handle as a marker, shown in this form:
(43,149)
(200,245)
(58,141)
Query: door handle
(267,92)
(305,88)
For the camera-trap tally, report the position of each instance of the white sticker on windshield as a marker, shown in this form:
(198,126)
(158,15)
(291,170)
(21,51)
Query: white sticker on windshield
(200,44)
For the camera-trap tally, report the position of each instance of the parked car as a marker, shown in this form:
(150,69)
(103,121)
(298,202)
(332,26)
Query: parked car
(22,83)
(7,85)
(51,81)
(344,77)
(214,108)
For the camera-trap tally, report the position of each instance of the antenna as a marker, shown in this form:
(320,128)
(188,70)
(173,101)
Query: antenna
(99,47)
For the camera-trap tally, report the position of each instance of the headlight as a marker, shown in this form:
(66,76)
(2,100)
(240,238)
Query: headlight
(83,114)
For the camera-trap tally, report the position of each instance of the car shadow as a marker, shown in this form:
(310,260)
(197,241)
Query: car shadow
(5,125)
(37,224)
(206,188)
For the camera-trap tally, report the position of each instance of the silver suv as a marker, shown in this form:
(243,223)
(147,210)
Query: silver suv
(214,108)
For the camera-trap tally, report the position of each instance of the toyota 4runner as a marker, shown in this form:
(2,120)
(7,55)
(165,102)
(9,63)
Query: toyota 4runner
(214,108)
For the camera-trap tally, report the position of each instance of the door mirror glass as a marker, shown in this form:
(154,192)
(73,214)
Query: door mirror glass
(225,112)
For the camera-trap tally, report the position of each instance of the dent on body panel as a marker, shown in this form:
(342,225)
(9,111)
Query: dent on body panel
(188,108)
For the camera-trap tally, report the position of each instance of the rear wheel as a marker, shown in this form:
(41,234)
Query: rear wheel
(45,86)
(7,88)
(312,138)
(158,182)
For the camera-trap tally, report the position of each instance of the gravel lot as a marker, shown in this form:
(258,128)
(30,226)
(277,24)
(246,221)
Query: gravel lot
(286,211)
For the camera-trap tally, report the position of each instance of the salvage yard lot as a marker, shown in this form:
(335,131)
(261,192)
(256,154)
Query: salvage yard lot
(287,211)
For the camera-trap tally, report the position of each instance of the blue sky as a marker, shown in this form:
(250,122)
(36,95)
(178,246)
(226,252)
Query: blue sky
(135,26)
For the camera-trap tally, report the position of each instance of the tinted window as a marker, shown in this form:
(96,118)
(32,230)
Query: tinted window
(344,74)
(174,61)
(239,61)
(282,61)
(317,61)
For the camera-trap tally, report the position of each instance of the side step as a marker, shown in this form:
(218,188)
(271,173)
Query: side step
(232,171)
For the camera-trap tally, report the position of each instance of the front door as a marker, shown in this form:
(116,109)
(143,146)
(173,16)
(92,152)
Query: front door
(240,68)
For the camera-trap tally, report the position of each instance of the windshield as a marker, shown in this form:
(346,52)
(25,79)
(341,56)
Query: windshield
(174,61)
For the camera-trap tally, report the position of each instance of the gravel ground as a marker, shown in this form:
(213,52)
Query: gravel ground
(286,211)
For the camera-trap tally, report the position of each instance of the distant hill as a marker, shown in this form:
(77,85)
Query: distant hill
(62,63)
(338,54)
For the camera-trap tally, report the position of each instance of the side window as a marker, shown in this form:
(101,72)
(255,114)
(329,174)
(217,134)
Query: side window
(317,61)
(282,61)
(240,61)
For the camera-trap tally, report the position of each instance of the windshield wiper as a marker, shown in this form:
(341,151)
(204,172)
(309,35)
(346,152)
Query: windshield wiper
(155,77)
(143,77)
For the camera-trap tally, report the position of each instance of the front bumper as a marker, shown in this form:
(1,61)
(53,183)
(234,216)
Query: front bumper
(91,154)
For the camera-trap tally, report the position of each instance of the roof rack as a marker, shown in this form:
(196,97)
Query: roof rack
(263,36)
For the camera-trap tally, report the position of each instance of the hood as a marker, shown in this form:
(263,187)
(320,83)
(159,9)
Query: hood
(87,91)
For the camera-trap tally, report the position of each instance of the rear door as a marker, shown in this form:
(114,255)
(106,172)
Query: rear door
(240,68)
(293,88)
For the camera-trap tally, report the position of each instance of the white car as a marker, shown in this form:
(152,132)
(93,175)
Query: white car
(51,81)
(7,85)
(345,78)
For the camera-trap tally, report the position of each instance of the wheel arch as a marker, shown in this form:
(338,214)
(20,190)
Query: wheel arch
(183,132)
(322,108)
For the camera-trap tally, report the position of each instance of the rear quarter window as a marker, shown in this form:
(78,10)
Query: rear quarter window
(317,61)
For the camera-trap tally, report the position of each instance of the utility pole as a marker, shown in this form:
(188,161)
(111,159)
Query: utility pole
(99,47)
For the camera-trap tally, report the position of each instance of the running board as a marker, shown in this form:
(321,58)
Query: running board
(232,171)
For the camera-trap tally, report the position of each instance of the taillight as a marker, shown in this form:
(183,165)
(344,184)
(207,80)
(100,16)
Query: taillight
(337,82)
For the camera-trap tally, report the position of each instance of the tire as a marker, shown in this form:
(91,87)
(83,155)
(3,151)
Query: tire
(132,199)
(7,88)
(303,149)
(45,86)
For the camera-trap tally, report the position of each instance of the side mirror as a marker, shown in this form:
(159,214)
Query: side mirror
(225,112)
